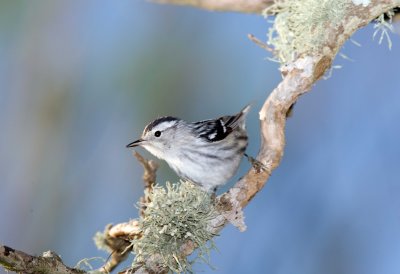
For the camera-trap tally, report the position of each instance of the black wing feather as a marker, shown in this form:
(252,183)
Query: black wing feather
(217,129)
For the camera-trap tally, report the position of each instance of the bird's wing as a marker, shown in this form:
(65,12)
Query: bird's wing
(217,129)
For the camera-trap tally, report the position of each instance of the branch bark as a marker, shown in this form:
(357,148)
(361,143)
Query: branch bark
(21,262)
(245,6)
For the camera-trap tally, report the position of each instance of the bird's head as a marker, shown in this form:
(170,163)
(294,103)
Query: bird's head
(158,136)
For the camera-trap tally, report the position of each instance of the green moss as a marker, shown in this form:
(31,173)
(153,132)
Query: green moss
(300,26)
(175,215)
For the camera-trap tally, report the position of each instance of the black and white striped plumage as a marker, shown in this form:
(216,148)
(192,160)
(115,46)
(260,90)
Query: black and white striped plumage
(207,153)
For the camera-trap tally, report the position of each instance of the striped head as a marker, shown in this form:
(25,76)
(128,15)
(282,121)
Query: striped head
(158,136)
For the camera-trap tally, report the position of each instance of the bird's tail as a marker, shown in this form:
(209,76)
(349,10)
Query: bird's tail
(238,119)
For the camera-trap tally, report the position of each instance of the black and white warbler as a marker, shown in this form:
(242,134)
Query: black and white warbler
(207,153)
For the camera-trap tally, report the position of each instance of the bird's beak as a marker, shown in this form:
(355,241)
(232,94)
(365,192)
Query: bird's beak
(135,143)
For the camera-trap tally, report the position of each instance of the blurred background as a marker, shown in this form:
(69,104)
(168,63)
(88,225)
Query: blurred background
(80,79)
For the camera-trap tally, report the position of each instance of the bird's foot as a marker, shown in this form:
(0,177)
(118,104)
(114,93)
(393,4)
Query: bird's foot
(257,165)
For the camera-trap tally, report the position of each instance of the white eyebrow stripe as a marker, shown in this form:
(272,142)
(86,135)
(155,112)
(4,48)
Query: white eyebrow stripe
(164,125)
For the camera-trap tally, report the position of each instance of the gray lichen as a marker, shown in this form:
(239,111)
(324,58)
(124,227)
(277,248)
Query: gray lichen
(177,214)
(300,26)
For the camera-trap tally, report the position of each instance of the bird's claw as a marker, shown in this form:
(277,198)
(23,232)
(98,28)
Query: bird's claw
(257,165)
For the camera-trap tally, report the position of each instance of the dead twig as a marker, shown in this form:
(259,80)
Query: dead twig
(259,43)
(149,178)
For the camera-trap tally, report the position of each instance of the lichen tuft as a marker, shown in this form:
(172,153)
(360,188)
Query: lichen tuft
(300,26)
(176,214)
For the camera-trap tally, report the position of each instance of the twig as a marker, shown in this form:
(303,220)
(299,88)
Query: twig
(119,247)
(259,43)
(149,178)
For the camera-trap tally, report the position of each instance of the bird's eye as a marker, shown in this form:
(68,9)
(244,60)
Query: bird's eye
(157,133)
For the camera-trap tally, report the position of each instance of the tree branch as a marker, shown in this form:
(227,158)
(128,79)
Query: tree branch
(18,261)
(245,6)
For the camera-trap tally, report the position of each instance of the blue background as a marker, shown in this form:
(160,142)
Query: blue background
(80,79)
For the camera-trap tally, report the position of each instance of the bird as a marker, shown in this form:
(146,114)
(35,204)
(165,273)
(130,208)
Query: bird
(207,153)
